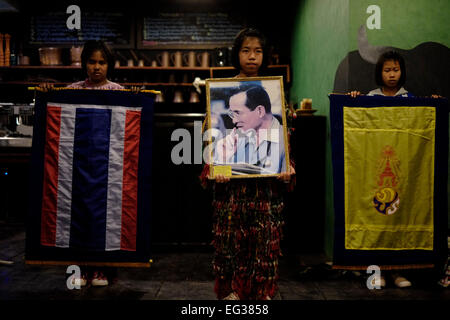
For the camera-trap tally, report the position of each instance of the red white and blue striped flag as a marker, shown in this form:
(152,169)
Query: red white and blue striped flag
(93,150)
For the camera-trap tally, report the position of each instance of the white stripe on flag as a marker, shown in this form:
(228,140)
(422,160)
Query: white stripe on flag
(65,165)
(115,179)
(115,173)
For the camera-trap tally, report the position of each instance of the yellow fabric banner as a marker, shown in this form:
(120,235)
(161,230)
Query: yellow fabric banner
(389,177)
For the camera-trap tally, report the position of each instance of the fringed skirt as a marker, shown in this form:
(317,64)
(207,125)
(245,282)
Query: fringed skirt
(247,231)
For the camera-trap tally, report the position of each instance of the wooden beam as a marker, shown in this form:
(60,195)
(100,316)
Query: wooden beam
(92,263)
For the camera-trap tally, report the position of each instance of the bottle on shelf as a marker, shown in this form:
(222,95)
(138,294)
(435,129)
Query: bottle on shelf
(13,55)
(2,55)
(7,50)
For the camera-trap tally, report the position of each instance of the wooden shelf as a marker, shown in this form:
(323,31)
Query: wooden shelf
(164,68)
(2,68)
(32,83)
(155,84)
(16,78)
(117,68)
(138,68)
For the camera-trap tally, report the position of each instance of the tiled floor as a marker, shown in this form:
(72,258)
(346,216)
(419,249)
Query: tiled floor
(186,275)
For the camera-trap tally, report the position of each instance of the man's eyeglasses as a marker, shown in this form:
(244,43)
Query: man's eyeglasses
(235,114)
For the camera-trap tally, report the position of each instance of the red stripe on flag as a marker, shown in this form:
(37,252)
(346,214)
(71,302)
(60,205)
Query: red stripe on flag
(50,181)
(130,180)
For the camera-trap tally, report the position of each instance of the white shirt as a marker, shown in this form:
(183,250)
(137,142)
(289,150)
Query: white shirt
(265,150)
(400,93)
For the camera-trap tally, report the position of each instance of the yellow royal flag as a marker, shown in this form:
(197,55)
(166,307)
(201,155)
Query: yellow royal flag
(389,177)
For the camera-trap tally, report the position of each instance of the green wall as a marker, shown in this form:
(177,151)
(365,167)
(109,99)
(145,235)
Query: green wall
(320,42)
(325,31)
(404,23)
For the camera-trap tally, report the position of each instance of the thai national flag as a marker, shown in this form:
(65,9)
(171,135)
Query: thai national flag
(90,177)
(92,152)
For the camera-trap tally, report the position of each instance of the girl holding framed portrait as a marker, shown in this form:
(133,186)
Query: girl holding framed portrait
(247,212)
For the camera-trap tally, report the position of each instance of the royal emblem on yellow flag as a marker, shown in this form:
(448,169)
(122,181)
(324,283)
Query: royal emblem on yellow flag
(386,199)
(389,177)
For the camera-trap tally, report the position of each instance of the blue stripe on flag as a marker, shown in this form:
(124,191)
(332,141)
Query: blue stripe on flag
(90,178)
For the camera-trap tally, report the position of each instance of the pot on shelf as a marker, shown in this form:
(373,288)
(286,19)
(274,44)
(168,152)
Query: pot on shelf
(50,56)
(75,56)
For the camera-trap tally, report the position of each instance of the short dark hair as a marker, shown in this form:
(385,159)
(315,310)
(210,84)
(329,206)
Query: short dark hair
(240,37)
(390,55)
(257,96)
(90,47)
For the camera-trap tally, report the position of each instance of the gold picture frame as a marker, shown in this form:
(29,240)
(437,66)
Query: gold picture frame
(247,128)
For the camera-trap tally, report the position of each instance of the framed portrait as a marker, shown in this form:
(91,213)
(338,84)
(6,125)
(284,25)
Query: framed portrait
(247,135)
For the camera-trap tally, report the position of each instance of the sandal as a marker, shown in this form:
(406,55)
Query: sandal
(81,282)
(381,282)
(400,281)
(99,279)
(232,296)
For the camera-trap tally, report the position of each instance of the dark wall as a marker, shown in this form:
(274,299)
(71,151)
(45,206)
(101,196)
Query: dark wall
(276,21)
(426,67)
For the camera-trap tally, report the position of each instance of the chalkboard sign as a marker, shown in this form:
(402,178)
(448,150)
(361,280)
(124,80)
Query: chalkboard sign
(202,30)
(50,29)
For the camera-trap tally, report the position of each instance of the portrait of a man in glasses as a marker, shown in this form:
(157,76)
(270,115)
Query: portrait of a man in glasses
(255,143)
